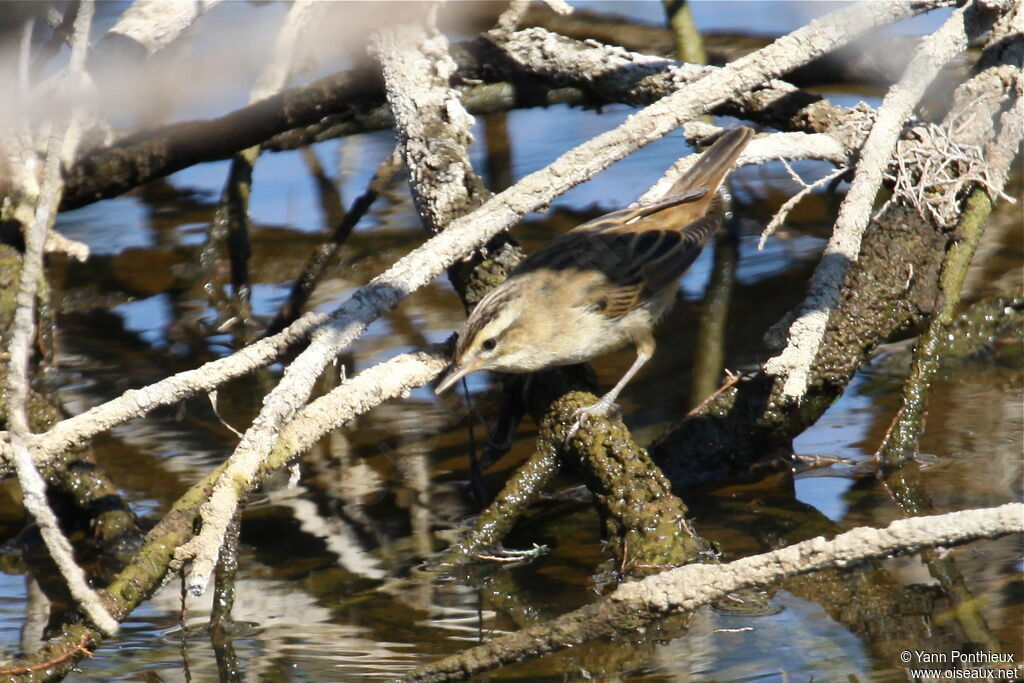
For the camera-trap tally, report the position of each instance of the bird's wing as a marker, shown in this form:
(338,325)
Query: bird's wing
(628,268)
(652,260)
(621,220)
(665,255)
(628,257)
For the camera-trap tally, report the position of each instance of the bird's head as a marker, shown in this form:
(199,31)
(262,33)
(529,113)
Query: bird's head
(494,338)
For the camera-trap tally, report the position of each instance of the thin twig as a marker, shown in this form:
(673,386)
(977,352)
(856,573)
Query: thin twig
(731,380)
(63,139)
(510,18)
(773,147)
(77,430)
(326,253)
(231,219)
(155,24)
(783,213)
(75,649)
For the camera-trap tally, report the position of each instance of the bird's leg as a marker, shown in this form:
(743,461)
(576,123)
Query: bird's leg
(606,404)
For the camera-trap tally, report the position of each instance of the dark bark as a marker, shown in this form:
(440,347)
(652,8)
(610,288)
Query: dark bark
(352,102)
(138,158)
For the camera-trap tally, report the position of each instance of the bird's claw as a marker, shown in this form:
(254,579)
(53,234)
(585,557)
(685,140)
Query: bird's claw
(601,408)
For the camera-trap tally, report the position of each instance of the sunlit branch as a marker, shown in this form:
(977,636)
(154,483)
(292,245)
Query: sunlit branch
(63,140)
(807,331)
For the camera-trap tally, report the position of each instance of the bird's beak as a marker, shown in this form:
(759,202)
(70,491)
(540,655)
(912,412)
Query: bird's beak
(455,374)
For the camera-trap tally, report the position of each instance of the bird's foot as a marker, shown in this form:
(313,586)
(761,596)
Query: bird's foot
(603,407)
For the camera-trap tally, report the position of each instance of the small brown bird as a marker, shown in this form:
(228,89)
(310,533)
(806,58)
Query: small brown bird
(598,287)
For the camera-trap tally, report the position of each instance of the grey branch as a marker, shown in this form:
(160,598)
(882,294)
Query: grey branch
(155,24)
(432,126)
(63,140)
(695,585)
(808,329)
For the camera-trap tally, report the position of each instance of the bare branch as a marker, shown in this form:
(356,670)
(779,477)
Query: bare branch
(432,126)
(371,387)
(511,17)
(687,588)
(783,213)
(778,146)
(57,243)
(774,147)
(823,291)
(77,430)
(606,73)
(63,139)
(155,24)
(351,101)
(141,157)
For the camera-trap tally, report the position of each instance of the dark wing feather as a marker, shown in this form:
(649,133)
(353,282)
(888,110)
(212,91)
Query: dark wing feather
(655,260)
(636,265)
(667,262)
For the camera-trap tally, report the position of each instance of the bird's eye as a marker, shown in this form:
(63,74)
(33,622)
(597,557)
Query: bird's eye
(489,344)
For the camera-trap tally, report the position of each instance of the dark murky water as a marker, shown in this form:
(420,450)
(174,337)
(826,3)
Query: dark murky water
(328,586)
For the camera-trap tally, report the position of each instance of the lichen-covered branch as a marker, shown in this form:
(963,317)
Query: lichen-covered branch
(605,73)
(63,140)
(433,131)
(432,126)
(77,430)
(753,419)
(808,330)
(645,523)
(152,25)
(350,102)
(636,604)
(357,396)
(859,62)
(148,567)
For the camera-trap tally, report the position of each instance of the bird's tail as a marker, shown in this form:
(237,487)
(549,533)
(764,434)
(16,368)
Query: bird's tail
(716,162)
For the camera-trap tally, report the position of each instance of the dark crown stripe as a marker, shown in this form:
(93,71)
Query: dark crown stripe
(484,314)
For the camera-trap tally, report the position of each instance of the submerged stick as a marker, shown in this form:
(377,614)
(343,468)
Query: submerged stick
(635,604)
